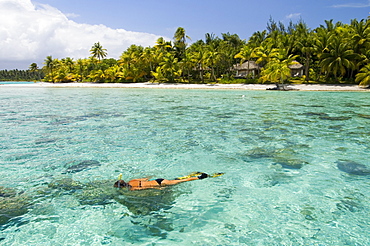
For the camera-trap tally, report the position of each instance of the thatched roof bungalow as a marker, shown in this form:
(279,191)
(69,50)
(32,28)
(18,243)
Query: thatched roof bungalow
(296,69)
(247,68)
(252,68)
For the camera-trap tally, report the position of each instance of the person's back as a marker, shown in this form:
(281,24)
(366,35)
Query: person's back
(144,183)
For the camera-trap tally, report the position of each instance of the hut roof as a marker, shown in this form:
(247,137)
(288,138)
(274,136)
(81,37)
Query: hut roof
(296,65)
(252,65)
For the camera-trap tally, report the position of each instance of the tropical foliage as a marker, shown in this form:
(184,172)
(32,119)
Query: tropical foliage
(331,53)
(34,74)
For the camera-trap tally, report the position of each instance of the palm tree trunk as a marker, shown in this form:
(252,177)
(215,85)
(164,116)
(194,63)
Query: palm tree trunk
(307,67)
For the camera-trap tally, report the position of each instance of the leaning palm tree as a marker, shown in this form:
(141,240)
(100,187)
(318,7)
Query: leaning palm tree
(97,51)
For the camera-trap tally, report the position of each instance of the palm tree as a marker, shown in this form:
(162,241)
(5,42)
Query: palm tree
(97,51)
(162,45)
(49,64)
(233,40)
(360,35)
(198,57)
(321,41)
(148,57)
(305,44)
(330,26)
(257,39)
(265,54)
(97,75)
(69,63)
(277,71)
(363,77)
(132,55)
(170,67)
(35,69)
(339,58)
(245,54)
(210,38)
(211,57)
(81,66)
(113,73)
(187,65)
(180,42)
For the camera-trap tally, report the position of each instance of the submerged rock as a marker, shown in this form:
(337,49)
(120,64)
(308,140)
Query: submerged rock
(12,204)
(349,204)
(67,184)
(316,114)
(144,202)
(290,163)
(96,196)
(45,141)
(366,116)
(352,167)
(82,166)
(259,153)
(97,193)
(308,212)
(338,118)
(20,156)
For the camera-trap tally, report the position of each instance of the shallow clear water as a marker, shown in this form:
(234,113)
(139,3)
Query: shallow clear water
(296,166)
(16,82)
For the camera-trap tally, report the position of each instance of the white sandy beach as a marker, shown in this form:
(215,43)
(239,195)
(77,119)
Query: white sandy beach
(300,87)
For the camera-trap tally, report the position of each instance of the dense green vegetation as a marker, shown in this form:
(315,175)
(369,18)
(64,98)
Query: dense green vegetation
(21,75)
(331,53)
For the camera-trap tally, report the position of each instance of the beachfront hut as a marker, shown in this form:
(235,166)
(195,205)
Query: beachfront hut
(246,69)
(252,68)
(296,69)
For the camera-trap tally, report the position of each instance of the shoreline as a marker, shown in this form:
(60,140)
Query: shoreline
(296,87)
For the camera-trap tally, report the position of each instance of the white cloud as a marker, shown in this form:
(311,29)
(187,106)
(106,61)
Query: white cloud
(72,15)
(353,5)
(30,32)
(293,16)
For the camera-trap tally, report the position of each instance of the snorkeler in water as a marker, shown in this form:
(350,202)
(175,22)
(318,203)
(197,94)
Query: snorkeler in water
(144,183)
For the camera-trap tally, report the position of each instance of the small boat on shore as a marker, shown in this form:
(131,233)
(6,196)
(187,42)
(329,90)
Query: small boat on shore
(282,87)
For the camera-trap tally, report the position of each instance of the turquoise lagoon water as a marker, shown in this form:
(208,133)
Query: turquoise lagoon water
(16,82)
(296,167)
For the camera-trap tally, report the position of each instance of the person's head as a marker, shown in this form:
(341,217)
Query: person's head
(120,184)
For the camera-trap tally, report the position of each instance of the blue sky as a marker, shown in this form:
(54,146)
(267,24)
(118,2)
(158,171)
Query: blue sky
(198,17)
(70,27)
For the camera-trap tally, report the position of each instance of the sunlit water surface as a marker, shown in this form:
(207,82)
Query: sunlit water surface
(296,167)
